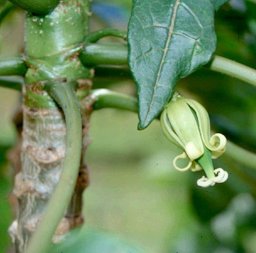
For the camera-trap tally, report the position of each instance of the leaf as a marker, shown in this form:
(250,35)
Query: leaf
(168,40)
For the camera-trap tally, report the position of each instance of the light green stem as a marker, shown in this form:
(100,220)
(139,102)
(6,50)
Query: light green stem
(118,55)
(234,69)
(99,54)
(104,98)
(241,155)
(205,162)
(108,99)
(64,95)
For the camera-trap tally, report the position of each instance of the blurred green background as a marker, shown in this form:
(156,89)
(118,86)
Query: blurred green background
(134,192)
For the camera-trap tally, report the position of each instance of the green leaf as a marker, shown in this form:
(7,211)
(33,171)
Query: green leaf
(168,40)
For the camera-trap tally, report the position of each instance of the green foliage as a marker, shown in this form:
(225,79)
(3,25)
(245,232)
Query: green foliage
(168,40)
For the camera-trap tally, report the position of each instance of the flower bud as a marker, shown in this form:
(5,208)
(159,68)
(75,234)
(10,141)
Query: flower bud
(186,123)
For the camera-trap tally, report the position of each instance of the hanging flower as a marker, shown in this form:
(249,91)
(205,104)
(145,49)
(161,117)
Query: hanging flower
(186,124)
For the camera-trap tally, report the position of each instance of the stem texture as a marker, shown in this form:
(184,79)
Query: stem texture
(65,96)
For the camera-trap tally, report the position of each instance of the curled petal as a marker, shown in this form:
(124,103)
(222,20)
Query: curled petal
(181,157)
(221,175)
(218,144)
(205,182)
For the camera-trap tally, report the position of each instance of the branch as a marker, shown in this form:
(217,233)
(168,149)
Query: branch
(12,66)
(233,69)
(65,97)
(241,155)
(95,54)
(95,36)
(99,54)
(14,83)
(103,98)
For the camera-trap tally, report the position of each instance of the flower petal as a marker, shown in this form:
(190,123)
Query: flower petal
(216,143)
(182,156)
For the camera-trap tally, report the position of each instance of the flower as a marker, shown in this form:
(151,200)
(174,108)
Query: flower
(186,123)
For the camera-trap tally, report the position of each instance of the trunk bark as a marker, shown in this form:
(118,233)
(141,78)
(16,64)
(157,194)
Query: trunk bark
(52,46)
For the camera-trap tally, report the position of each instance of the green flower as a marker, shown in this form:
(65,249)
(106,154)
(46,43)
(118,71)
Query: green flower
(186,124)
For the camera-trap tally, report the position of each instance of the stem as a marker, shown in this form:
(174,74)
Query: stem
(113,72)
(241,155)
(7,8)
(12,66)
(14,83)
(65,96)
(234,69)
(109,99)
(205,161)
(95,36)
(118,55)
(104,54)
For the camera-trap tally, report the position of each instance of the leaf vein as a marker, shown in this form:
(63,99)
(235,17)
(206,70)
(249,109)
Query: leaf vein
(167,43)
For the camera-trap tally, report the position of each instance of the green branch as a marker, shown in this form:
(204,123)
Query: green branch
(11,82)
(98,54)
(96,36)
(241,155)
(234,69)
(64,95)
(103,98)
(14,66)
(118,55)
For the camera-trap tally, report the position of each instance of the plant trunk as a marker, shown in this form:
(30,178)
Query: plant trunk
(52,44)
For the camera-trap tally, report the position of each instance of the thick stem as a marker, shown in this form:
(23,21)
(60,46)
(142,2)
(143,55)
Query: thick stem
(65,96)
(52,43)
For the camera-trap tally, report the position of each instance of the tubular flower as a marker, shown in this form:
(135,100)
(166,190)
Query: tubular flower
(186,124)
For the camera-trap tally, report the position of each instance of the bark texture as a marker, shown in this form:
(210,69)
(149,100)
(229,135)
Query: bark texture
(42,154)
